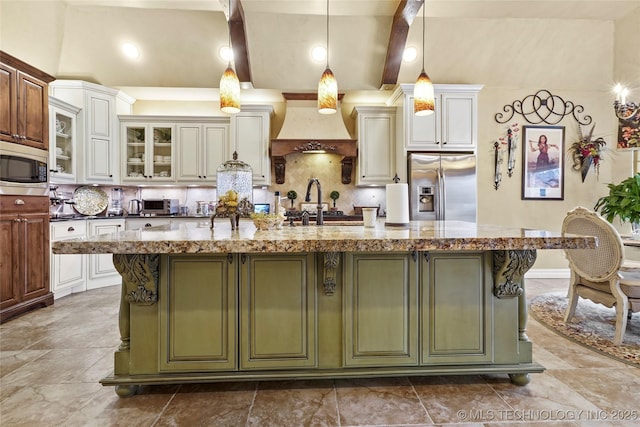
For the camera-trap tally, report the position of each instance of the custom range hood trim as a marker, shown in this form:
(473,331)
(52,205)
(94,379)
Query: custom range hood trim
(305,131)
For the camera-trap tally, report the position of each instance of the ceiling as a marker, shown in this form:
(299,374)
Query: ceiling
(179,40)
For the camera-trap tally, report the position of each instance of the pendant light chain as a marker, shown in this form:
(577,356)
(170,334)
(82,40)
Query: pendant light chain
(229,31)
(424,6)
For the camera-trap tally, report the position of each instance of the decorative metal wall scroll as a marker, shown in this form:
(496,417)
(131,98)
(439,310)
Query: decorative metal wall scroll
(543,107)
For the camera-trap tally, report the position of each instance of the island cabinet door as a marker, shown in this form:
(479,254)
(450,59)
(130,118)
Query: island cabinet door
(456,308)
(380,309)
(197,303)
(278,311)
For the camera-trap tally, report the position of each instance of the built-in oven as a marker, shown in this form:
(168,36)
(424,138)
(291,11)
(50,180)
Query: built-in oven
(23,170)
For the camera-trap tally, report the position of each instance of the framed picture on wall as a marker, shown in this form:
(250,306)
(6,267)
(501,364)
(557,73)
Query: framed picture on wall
(543,162)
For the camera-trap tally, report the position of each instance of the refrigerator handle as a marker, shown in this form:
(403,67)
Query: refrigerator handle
(442,194)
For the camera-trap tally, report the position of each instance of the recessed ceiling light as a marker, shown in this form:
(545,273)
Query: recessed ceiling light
(226,53)
(130,50)
(410,54)
(319,53)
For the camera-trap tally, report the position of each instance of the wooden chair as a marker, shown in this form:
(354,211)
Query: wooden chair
(601,275)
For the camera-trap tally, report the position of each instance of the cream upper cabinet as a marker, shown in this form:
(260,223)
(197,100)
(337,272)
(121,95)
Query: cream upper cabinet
(97,127)
(147,152)
(376,132)
(201,148)
(453,126)
(63,150)
(250,136)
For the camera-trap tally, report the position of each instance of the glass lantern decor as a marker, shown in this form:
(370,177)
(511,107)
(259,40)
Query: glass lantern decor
(234,190)
(235,175)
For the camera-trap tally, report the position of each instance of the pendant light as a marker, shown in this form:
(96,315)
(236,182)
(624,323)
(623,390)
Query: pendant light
(328,86)
(229,83)
(423,96)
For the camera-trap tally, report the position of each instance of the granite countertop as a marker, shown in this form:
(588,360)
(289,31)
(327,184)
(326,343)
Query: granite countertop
(419,235)
(80,217)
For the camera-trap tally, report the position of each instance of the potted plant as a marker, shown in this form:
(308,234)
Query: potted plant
(292,195)
(334,195)
(623,201)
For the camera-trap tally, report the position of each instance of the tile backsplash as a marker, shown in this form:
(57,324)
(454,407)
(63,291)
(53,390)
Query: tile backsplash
(299,169)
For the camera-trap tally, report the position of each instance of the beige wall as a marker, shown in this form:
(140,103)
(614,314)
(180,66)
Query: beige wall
(579,60)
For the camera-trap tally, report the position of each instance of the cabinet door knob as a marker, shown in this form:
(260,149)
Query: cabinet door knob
(444,142)
(147,225)
(17,220)
(18,202)
(71,229)
(23,137)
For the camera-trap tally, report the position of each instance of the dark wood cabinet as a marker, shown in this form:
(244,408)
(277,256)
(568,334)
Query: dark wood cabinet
(24,103)
(24,258)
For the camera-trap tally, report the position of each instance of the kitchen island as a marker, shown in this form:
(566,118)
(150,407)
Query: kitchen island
(331,301)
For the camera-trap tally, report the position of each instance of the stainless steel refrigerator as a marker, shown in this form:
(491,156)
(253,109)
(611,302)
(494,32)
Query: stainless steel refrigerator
(442,186)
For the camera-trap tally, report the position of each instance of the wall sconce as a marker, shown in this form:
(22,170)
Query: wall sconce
(624,110)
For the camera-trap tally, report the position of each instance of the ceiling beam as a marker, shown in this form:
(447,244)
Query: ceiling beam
(239,42)
(405,13)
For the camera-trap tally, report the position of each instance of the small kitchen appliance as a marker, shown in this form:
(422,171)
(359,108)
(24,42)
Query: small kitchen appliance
(135,206)
(116,202)
(160,206)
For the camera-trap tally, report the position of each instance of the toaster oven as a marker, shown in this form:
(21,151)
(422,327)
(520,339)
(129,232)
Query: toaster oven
(160,207)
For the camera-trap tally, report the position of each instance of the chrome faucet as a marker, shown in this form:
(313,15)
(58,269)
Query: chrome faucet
(319,218)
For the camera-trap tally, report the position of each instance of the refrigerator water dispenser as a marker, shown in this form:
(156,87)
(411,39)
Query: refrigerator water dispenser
(425,199)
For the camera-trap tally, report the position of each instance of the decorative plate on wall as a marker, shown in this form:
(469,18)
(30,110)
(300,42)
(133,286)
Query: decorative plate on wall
(90,200)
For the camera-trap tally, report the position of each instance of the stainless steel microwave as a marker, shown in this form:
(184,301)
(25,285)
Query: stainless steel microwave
(160,206)
(23,170)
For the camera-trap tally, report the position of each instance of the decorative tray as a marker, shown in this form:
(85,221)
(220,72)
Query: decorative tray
(90,200)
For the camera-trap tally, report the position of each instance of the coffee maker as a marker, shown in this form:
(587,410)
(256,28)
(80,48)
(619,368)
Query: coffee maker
(116,202)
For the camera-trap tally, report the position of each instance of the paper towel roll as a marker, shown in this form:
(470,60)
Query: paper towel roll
(397,204)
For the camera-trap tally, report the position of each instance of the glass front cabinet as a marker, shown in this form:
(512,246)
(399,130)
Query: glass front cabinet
(63,152)
(148,152)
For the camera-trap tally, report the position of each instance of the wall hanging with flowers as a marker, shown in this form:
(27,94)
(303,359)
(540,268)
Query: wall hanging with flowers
(587,151)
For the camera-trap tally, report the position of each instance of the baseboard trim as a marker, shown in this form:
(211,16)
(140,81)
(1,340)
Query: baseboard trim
(548,273)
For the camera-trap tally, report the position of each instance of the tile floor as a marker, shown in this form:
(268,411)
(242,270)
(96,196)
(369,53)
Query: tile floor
(52,359)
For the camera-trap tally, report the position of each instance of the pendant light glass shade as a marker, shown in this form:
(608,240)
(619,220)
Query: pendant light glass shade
(424,102)
(328,85)
(229,92)
(423,96)
(327,93)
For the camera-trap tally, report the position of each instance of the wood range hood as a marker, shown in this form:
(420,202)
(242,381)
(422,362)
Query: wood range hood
(305,130)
